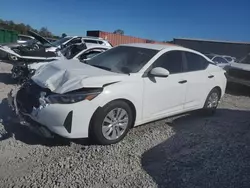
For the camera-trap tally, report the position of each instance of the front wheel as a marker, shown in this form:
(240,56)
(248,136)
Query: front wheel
(111,123)
(212,101)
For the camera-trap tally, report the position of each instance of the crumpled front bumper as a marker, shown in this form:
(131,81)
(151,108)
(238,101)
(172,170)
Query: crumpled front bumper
(25,119)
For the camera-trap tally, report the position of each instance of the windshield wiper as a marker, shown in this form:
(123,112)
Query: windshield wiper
(101,67)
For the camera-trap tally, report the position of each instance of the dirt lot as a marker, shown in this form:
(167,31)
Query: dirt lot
(187,151)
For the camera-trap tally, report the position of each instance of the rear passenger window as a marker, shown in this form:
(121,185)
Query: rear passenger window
(195,62)
(172,61)
(73,41)
(90,41)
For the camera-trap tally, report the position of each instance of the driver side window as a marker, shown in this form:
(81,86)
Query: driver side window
(172,61)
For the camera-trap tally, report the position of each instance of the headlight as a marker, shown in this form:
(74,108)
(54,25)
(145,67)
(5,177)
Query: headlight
(71,97)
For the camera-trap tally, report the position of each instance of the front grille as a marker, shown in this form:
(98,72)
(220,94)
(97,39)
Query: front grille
(238,73)
(28,97)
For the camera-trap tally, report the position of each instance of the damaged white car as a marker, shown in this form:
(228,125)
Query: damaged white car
(22,71)
(126,86)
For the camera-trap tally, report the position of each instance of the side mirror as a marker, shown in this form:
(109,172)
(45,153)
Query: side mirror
(159,72)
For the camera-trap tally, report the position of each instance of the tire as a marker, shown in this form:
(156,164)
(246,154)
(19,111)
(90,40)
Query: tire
(212,102)
(99,127)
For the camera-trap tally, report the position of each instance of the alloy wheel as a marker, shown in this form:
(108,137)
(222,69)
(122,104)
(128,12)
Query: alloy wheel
(115,123)
(213,100)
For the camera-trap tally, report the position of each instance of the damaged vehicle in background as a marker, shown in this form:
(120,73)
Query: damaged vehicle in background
(28,55)
(35,43)
(24,38)
(221,60)
(23,71)
(38,49)
(71,40)
(33,51)
(119,89)
(230,59)
(239,73)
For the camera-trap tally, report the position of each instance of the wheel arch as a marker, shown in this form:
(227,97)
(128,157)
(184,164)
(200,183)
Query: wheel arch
(219,89)
(131,105)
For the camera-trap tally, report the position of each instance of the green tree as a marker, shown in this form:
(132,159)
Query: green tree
(45,32)
(64,35)
(119,32)
(23,28)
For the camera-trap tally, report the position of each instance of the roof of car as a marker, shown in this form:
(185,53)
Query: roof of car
(91,45)
(163,47)
(87,37)
(154,46)
(94,38)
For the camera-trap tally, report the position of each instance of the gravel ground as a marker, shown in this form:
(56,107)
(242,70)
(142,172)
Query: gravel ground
(186,151)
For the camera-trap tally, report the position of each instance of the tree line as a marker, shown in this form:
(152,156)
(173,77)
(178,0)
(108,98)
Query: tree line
(22,28)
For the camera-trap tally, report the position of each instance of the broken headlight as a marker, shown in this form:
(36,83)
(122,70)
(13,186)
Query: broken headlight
(71,97)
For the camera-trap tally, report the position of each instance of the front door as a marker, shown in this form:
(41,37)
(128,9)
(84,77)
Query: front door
(165,96)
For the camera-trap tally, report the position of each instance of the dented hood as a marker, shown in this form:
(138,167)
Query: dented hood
(69,75)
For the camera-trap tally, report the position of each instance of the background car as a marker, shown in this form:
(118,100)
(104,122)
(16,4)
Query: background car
(34,42)
(230,59)
(125,86)
(221,61)
(71,40)
(239,73)
(21,72)
(24,38)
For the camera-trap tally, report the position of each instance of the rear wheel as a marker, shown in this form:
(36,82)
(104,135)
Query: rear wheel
(111,123)
(212,102)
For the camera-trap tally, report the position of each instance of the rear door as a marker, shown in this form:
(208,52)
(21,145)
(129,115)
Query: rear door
(197,80)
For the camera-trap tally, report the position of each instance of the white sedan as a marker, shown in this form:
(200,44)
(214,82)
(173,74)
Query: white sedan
(124,87)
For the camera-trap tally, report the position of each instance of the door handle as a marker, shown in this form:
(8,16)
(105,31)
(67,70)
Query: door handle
(182,82)
(211,76)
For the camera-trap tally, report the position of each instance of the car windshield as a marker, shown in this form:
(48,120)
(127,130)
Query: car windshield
(31,41)
(228,58)
(61,41)
(123,59)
